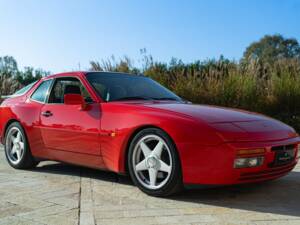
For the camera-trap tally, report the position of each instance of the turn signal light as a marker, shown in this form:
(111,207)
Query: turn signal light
(251,151)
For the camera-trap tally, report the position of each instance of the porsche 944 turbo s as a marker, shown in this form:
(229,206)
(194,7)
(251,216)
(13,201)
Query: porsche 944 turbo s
(132,125)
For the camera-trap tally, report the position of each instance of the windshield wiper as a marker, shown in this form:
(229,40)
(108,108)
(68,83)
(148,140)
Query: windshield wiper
(132,98)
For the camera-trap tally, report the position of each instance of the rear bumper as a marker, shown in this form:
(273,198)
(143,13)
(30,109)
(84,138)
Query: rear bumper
(214,165)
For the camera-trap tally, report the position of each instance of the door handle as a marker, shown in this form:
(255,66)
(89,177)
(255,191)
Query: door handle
(47,114)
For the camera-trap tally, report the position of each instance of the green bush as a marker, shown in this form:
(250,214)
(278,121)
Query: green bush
(265,80)
(272,90)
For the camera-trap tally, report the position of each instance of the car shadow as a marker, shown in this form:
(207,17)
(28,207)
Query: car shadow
(74,170)
(281,196)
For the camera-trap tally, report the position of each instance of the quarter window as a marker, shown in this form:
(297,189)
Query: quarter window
(41,92)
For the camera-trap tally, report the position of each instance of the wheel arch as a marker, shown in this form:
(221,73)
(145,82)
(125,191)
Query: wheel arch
(9,122)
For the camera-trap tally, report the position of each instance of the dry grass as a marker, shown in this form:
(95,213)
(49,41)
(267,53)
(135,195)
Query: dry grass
(273,90)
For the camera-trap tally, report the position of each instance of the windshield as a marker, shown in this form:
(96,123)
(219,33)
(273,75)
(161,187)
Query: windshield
(119,87)
(24,89)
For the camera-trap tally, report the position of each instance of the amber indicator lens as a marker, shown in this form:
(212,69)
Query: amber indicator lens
(251,151)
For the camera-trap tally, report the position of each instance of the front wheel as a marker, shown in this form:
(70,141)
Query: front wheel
(154,164)
(17,150)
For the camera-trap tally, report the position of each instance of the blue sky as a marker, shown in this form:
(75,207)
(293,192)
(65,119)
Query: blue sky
(58,35)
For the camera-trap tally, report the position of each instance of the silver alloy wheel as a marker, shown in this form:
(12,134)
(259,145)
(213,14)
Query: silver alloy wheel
(152,162)
(15,145)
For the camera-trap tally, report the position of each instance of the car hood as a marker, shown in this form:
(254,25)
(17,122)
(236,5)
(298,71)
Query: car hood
(209,114)
(233,124)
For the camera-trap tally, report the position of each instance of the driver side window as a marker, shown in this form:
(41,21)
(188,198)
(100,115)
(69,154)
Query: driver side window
(67,85)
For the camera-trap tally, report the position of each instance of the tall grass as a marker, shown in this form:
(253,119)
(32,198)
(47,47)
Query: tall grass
(273,90)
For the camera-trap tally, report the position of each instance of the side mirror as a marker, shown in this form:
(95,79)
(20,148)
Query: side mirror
(74,99)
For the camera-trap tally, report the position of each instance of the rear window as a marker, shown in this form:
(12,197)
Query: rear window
(24,89)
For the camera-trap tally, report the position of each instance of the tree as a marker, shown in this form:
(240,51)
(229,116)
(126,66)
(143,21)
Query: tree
(11,78)
(8,72)
(30,75)
(8,65)
(271,48)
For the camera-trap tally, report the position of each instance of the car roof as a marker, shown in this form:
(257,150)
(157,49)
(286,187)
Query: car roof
(84,73)
(73,73)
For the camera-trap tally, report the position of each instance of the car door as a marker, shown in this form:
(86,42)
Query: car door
(69,127)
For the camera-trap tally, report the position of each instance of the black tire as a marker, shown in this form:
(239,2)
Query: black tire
(27,160)
(174,183)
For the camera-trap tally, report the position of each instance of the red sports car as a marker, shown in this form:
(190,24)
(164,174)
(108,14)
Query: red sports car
(131,124)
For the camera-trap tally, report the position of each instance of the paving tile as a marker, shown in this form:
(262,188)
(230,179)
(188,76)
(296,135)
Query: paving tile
(58,194)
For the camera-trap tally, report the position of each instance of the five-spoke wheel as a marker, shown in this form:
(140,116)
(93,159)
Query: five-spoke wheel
(15,145)
(153,162)
(16,148)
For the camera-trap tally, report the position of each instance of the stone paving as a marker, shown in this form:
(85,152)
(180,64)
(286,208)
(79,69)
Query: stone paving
(61,194)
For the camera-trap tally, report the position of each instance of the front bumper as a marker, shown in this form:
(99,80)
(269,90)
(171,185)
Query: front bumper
(266,174)
(213,165)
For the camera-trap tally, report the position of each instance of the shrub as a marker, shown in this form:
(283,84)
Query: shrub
(271,90)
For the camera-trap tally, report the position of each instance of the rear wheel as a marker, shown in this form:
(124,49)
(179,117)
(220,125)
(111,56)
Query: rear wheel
(17,150)
(154,164)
